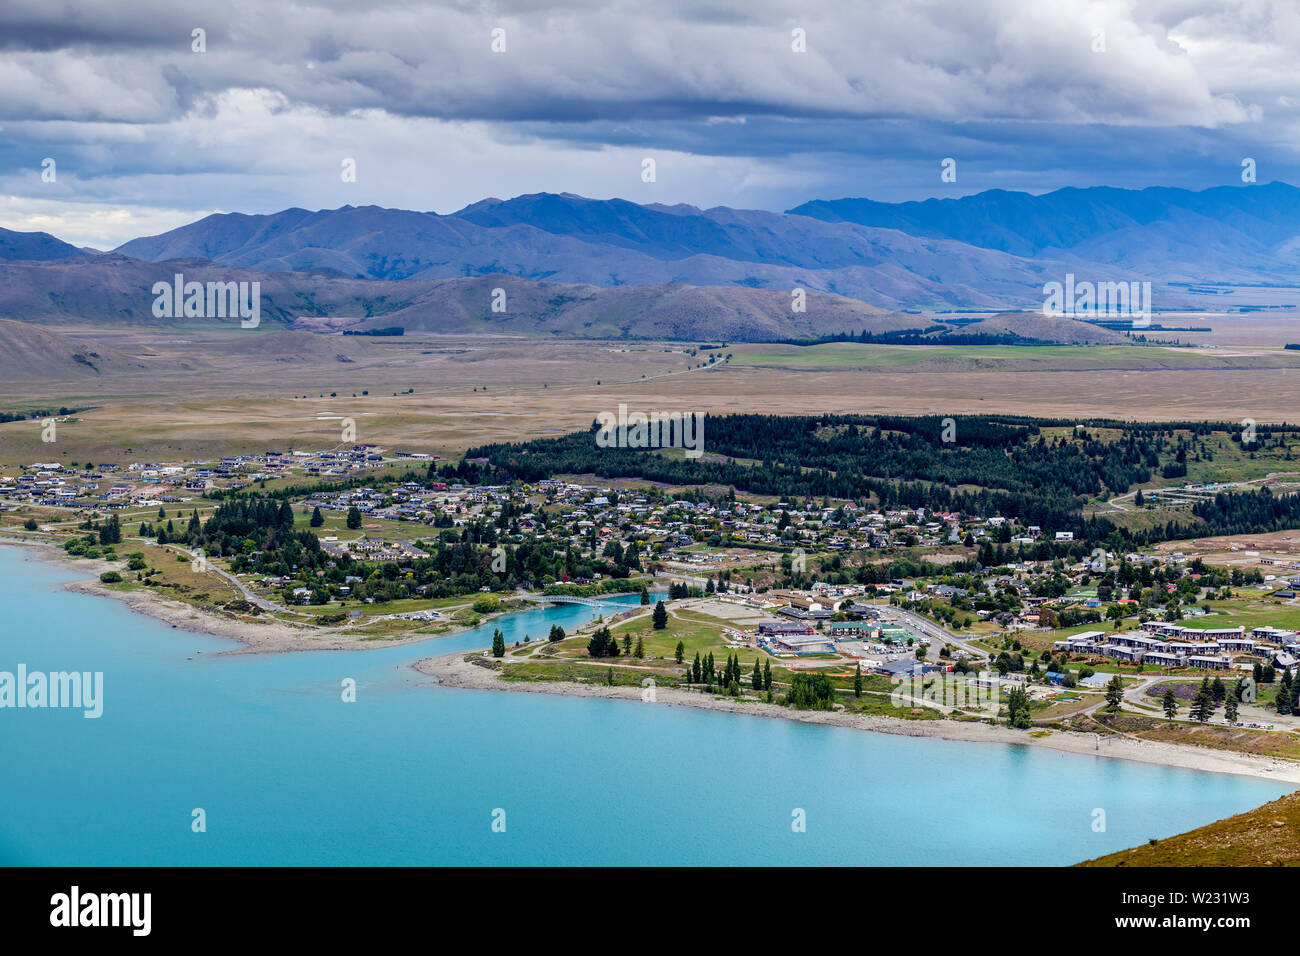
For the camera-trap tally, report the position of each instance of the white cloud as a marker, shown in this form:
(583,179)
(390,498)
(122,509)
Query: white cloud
(586,89)
(97,225)
(250,151)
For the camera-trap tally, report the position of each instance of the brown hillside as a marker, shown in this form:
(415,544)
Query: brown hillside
(30,353)
(1264,836)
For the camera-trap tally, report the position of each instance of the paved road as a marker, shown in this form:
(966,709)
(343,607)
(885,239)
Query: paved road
(931,631)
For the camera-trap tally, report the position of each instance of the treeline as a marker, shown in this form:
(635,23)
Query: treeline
(990,466)
(1248,512)
(853,456)
(42,413)
(998,465)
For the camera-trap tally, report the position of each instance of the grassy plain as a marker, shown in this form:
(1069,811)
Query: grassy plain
(203,393)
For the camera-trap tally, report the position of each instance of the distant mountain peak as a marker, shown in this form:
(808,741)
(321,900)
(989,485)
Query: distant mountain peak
(36,247)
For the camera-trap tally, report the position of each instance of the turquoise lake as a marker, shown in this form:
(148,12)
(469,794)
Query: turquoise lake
(411,773)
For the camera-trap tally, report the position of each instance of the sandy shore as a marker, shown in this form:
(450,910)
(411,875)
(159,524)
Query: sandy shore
(454,670)
(257,636)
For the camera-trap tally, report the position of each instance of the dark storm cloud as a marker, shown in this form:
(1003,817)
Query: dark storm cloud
(1023,94)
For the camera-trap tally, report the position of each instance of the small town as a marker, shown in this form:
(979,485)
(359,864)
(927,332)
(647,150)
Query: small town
(388,545)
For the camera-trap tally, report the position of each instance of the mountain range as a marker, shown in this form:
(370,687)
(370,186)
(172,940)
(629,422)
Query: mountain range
(1227,233)
(570,239)
(595,268)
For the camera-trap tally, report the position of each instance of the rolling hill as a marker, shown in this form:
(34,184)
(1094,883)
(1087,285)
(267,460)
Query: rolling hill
(671,311)
(29,353)
(1046,328)
(116,290)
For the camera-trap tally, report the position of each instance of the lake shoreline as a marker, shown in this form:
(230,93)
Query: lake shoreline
(268,636)
(454,670)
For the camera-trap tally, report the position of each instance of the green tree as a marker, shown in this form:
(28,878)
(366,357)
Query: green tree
(498,643)
(640,647)
(756,678)
(767,676)
(680,652)
(1018,708)
(1170,703)
(1202,704)
(354,518)
(857,681)
(811,691)
(1218,690)
(660,616)
(110,532)
(645,599)
(1230,708)
(600,643)
(1114,693)
(317,519)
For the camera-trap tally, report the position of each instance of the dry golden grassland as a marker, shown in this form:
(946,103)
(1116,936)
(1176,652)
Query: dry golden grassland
(207,393)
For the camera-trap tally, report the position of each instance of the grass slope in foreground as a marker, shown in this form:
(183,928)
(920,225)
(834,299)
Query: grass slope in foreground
(1259,837)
